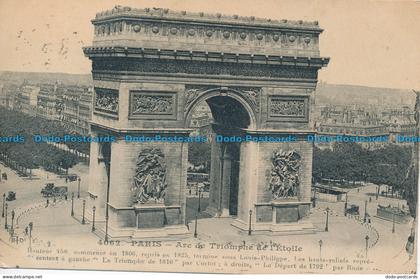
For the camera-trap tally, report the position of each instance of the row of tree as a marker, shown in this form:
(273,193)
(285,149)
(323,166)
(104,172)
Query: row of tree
(28,154)
(391,165)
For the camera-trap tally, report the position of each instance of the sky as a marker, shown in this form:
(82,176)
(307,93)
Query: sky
(371,43)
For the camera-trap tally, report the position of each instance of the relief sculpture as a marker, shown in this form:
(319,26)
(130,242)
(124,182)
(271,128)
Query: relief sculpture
(146,104)
(287,107)
(284,178)
(106,100)
(149,185)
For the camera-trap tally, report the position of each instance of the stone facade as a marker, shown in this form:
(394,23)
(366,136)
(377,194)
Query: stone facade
(152,67)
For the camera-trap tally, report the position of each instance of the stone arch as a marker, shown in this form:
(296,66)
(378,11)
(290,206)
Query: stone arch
(220,92)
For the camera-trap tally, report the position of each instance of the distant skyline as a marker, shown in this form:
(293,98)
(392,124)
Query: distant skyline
(370,43)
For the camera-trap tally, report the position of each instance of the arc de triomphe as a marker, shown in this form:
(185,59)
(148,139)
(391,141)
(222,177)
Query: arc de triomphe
(151,68)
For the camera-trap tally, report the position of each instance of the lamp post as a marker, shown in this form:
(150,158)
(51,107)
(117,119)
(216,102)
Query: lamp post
(5,221)
(199,199)
(326,223)
(83,212)
(365,217)
(72,204)
(320,248)
(250,220)
(13,218)
(367,244)
(195,226)
(93,218)
(345,205)
(314,199)
(78,188)
(4,200)
(393,222)
(31,225)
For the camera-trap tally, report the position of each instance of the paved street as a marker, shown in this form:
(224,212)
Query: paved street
(345,237)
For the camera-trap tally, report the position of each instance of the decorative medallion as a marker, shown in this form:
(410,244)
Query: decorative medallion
(173,31)
(260,36)
(226,34)
(276,37)
(149,181)
(243,35)
(284,176)
(191,32)
(292,38)
(209,33)
(307,39)
(155,29)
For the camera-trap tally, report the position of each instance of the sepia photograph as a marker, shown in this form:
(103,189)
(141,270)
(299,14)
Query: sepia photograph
(209,136)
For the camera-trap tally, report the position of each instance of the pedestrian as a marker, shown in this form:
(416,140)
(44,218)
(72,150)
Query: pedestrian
(48,202)
(66,179)
(26,230)
(65,197)
(370,199)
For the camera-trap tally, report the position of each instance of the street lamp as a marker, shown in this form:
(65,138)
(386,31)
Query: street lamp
(195,226)
(393,222)
(345,205)
(78,188)
(72,204)
(31,225)
(314,199)
(326,223)
(83,212)
(250,218)
(199,199)
(5,221)
(93,218)
(365,217)
(320,247)
(4,200)
(367,244)
(13,218)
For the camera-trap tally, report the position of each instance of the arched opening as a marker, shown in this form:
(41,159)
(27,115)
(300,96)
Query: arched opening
(216,116)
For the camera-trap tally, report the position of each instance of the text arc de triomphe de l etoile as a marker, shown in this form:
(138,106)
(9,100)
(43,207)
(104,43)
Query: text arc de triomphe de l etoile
(151,68)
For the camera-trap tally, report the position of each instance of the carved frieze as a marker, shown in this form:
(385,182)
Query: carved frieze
(106,100)
(294,108)
(156,103)
(149,181)
(288,108)
(284,180)
(201,68)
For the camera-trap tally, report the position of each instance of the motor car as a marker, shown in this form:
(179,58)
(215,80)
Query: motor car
(353,210)
(11,196)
